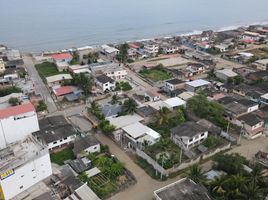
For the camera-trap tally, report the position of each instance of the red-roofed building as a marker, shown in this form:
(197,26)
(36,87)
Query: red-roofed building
(63,90)
(133,46)
(62,57)
(17,123)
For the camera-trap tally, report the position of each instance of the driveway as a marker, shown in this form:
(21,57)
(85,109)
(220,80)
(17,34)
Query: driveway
(39,86)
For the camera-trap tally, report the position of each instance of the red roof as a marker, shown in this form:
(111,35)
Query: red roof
(61,56)
(247,41)
(133,46)
(16,110)
(63,90)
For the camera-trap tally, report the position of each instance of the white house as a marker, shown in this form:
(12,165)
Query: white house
(175,102)
(264,99)
(261,64)
(225,74)
(57,79)
(222,47)
(195,85)
(152,95)
(151,49)
(250,36)
(108,50)
(105,83)
(55,132)
(169,49)
(16,123)
(188,134)
(252,125)
(173,84)
(2,66)
(136,134)
(22,165)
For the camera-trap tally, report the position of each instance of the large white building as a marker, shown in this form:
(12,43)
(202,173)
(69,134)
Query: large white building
(22,165)
(16,123)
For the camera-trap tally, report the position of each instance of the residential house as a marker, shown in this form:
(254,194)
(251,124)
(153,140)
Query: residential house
(122,121)
(105,83)
(175,102)
(17,122)
(252,125)
(135,135)
(194,69)
(70,93)
(173,84)
(152,95)
(183,189)
(55,132)
(62,57)
(262,113)
(170,49)
(111,110)
(109,50)
(222,47)
(151,49)
(261,64)
(189,134)
(146,112)
(264,99)
(112,70)
(186,95)
(259,75)
(23,164)
(225,74)
(158,105)
(2,66)
(85,145)
(57,79)
(62,66)
(77,69)
(194,86)
(250,36)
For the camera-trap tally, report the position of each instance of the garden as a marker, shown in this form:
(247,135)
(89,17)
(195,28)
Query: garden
(61,156)
(156,74)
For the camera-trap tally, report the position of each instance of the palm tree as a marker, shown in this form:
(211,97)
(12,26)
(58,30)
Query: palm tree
(217,186)
(130,106)
(235,184)
(92,57)
(163,115)
(256,175)
(196,174)
(252,192)
(94,107)
(116,169)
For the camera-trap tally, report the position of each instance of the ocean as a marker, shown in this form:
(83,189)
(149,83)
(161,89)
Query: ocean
(42,25)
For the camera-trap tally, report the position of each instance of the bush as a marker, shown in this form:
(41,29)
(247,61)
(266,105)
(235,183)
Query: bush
(9,90)
(41,106)
(13,101)
(211,142)
(61,156)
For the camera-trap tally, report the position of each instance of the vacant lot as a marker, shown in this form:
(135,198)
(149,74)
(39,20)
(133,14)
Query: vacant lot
(156,74)
(61,156)
(260,53)
(47,69)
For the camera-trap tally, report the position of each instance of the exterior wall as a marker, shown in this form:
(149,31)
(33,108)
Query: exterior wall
(190,88)
(221,76)
(27,175)
(151,49)
(62,142)
(67,60)
(2,66)
(190,142)
(106,86)
(94,148)
(116,75)
(253,108)
(169,86)
(13,129)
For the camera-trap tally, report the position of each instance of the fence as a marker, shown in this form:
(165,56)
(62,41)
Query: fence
(184,164)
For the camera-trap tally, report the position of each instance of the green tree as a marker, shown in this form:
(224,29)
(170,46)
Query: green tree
(115,99)
(94,107)
(41,106)
(163,115)
(75,59)
(84,81)
(196,174)
(130,106)
(252,191)
(115,170)
(13,101)
(217,186)
(92,57)
(106,127)
(123,53)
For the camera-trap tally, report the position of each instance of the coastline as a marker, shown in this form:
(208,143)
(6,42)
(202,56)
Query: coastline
(189,33)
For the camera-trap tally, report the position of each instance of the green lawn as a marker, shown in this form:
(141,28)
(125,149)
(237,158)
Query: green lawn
(61,156)
(156,74)
(47,69)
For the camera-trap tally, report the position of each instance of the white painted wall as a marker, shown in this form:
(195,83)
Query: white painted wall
(13,129)
(94,148)
(26,176)
(61,142)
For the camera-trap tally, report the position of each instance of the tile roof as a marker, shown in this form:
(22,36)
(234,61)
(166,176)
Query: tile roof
(63,90)
(61,56)
(16,110)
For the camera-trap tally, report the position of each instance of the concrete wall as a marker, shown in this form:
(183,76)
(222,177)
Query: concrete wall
(13,129)
(26,176)
(61,142)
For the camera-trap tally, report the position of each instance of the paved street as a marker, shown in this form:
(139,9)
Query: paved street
(40,87)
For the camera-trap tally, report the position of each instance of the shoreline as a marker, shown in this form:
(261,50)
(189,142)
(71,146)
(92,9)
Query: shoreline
(189,33)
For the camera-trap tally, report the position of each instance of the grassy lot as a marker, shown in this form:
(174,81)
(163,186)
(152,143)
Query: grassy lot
(47,69)
(261,53)
(156,74)
(61,156)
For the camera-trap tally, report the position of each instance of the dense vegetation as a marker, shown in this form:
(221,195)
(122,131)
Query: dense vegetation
(9,90)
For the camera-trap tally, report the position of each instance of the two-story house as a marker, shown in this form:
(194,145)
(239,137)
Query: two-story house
(188,134)
(173,84)
(105,83)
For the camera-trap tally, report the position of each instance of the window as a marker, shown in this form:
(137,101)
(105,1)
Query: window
(55,142)
(95,147)
(60,140)
(22,176)
(21,187)
(33,170)
(191,140)
(202,134)
(65,138)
